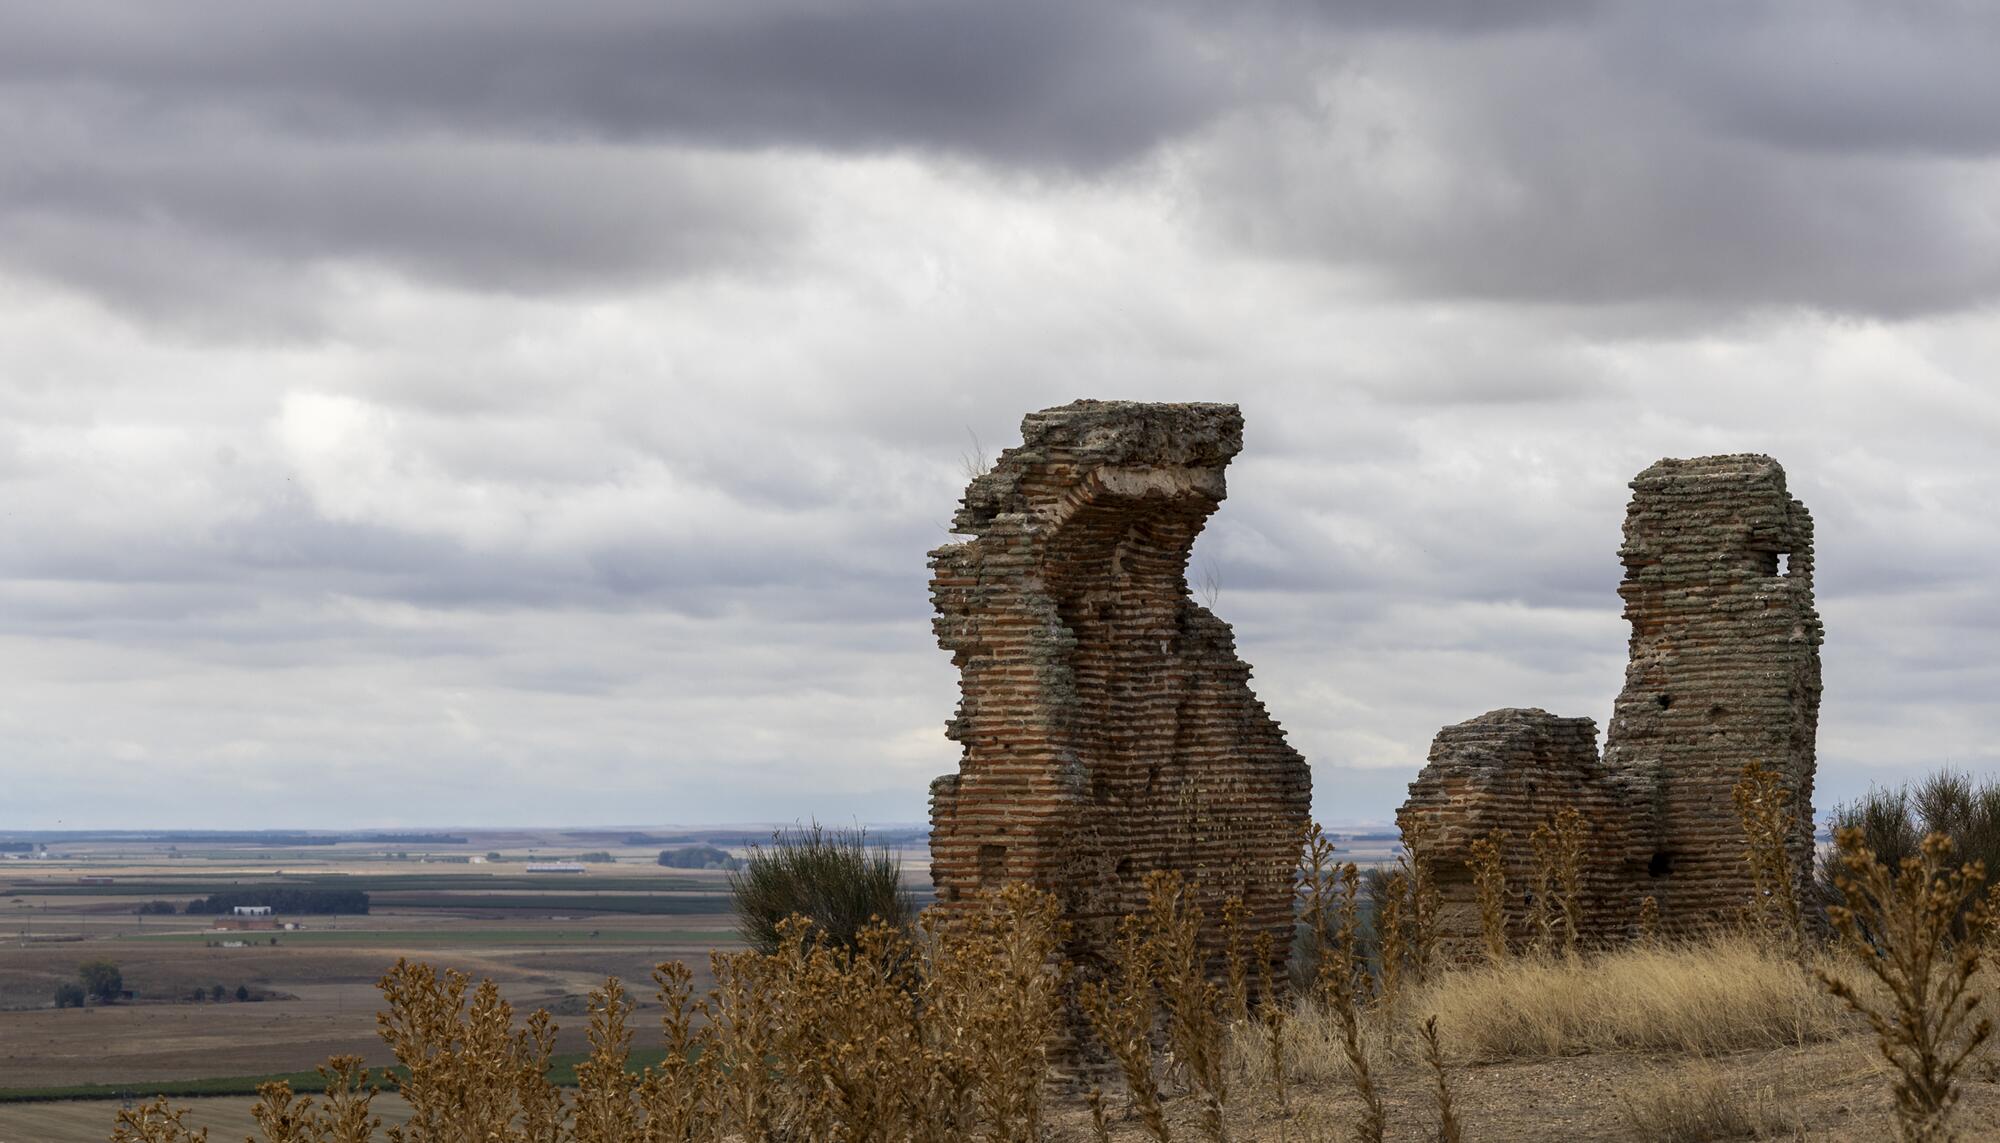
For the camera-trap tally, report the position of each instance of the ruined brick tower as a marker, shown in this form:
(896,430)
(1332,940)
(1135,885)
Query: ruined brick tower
(1108,727)
(1723,671)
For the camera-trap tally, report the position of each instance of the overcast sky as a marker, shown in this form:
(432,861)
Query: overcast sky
(492,412)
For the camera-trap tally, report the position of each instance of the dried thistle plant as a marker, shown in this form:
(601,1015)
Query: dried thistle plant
(741,1013)
(1339,986)
(1235,964)
(1121,1011)
(1339,963)
(679,1097)
(1559,849)
(1100,1131)
(1391,927)
(1489,880)
(1448,1128)
(993,987)
(156,1122)
(1768,811)
(343,1112)
(1649,918)
(1426,900)
(282,1117)
(1346,1009)
(1271,1016)
(1317,888)
(1193,1002)
(470,1074)
(1899,925)
(606,1111)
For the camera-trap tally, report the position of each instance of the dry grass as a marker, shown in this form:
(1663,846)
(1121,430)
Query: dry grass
(1696,1102)
(1704,998)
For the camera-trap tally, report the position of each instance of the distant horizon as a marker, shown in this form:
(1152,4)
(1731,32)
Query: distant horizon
(358,833)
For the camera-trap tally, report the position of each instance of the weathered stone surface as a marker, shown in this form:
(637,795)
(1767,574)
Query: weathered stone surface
(1502,775)
(1723,671)
(1108,727)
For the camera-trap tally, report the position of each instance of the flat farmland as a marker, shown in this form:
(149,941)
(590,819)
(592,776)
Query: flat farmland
(545,939)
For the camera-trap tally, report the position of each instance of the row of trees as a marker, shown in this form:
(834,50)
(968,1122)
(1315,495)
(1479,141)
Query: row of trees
(699,857)
(295,900)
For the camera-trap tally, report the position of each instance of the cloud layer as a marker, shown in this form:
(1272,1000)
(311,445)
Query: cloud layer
(544,413)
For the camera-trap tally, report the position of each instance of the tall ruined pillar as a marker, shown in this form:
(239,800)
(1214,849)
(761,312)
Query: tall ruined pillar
(1108,727)
(1724,670)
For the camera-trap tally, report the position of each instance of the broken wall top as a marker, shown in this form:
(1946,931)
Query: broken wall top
(1072,444)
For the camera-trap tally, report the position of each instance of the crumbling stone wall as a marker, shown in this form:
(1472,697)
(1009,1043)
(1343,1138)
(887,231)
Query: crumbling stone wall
(1107,725)
(1723,671)
(1503,774)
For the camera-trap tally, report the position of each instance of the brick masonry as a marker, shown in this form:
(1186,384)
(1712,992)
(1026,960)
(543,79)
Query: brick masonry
(1108,728)
(1723,671)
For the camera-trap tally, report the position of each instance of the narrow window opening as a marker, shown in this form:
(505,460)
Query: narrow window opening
(1784,563)
(1661,864)
(992,863)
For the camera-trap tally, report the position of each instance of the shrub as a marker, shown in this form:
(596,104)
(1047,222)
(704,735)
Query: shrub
(156,908)
(829,877)
(69,994)
(101,979)
(1894,823)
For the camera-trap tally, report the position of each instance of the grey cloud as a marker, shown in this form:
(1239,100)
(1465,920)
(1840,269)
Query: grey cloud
(1043,81)
(1605,164)
(142,223)
(1914,77)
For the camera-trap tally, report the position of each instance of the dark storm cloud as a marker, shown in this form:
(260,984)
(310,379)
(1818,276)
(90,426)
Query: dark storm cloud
(1037,81)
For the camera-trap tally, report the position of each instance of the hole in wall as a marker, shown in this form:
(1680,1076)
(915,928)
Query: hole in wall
(1784,563)
(992,862)
(1661,864)
(1666,702)
(1124,869)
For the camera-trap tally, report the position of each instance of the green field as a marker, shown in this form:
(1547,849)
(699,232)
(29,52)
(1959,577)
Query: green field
(418,939)
(562,1069)
(207,884)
